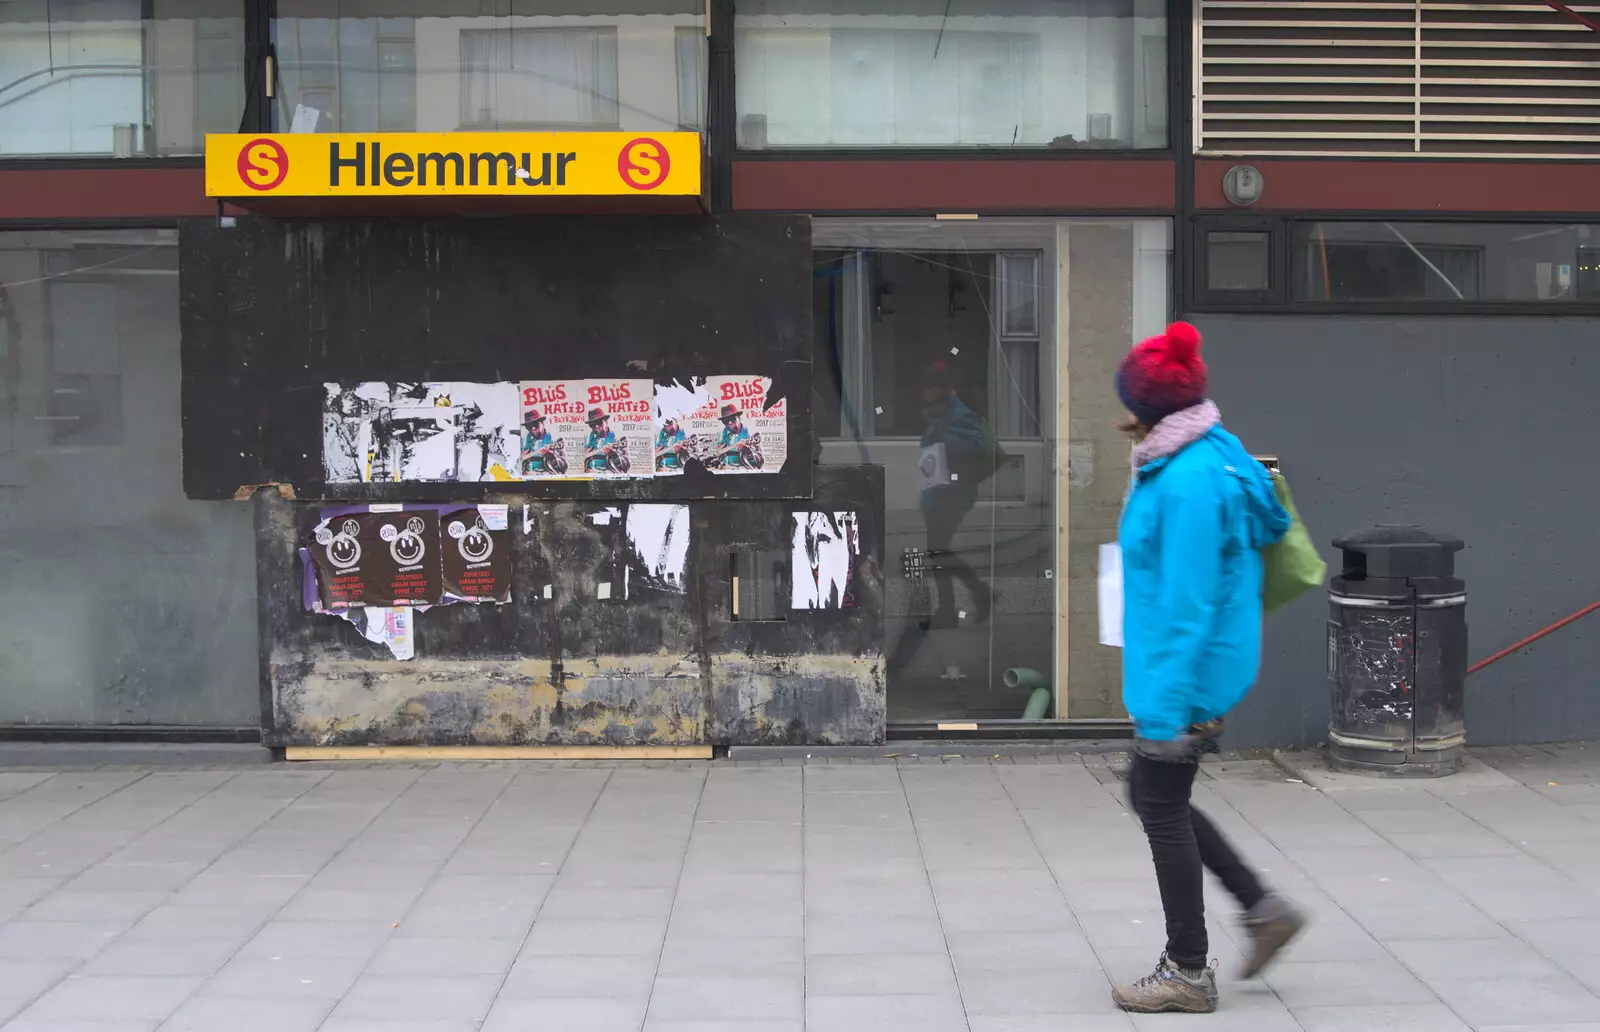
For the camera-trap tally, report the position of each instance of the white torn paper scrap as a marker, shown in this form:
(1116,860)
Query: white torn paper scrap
(659,537)
(390,626)
(603,590)
(1110,595)
(305,119)
(603,517)
(495,517)
(822,559)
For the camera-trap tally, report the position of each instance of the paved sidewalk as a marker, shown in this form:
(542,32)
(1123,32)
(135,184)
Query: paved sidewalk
(989,896)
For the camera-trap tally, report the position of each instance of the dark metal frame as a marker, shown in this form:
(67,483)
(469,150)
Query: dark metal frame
(256,116)
(1279,299)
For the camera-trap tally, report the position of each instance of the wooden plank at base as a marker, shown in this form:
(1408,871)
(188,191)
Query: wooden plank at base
(497,752)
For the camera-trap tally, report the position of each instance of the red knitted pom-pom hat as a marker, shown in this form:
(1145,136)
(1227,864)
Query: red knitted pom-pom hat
(1163,375)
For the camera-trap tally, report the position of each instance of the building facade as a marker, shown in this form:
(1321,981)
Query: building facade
(1379,213)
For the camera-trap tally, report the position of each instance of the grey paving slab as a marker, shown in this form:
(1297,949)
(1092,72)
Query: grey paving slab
(977,895)
(885,1014)
(1106,1021)
(1028,992)
(718,997)
(112,998)
(1410,1017)
(892,974)
(339,939)
(463,997)
(198,957)
(460,955)
(297,977)
(560,977)
(76,940)
(210,1013)
(571,1014)
(338,1024)
(699,953)
(1307,983)
(48,1025)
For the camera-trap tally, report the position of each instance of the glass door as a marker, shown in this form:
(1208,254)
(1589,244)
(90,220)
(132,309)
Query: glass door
(938,356)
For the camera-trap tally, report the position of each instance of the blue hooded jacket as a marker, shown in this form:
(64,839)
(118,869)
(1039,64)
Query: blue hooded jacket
(1191,535)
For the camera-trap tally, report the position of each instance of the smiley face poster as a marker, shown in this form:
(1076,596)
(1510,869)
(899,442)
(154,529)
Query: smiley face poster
(475,554)
(378,558)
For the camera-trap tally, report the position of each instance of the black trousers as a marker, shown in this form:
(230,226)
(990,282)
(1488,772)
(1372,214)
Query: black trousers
(1183,844)
(943,517)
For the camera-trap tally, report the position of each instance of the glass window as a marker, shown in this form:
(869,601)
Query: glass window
(952,73)
(369,65)
(1446,261)
(933,338)
(119,78)
(1238,260)
(121,602)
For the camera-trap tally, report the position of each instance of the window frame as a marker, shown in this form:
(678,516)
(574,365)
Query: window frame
(1201,292)
(254,102)
(1281,297)
(1174,19)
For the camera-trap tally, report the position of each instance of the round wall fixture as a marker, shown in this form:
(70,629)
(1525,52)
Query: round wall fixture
(1243,185)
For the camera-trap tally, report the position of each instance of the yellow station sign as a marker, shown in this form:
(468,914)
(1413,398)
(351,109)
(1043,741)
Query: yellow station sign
(601,164)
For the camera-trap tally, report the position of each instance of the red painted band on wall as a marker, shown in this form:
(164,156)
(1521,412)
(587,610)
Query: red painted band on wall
(954,186)
(1406,185)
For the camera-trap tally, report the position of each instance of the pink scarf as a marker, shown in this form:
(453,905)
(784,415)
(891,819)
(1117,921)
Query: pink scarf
(1176,432)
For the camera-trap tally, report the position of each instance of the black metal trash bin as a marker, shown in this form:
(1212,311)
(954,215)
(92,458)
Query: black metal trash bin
(1397,654)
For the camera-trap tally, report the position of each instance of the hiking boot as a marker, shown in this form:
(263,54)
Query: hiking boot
(1271,924)
(1169,989)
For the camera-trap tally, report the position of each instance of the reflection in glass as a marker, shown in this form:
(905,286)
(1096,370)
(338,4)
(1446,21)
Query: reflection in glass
(122,601)
(937,358)
(1238,261)
(1446,261)
(119,78)
(380,65)
(927,73)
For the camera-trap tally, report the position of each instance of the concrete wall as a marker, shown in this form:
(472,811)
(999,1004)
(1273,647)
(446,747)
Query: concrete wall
(1480,427)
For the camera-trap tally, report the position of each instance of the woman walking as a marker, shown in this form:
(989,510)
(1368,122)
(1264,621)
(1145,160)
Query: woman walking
(1199,514)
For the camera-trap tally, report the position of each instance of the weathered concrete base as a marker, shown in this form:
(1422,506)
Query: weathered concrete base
(610,700)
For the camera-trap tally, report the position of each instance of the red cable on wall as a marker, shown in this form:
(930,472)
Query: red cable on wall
(1530,639)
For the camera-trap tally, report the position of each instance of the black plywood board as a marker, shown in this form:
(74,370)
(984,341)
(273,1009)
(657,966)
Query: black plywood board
(273,308)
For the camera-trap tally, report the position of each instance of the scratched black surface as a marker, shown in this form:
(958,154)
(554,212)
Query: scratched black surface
(273,308)
(780,664)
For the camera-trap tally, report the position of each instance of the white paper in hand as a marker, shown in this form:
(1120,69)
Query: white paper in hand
(1111,595)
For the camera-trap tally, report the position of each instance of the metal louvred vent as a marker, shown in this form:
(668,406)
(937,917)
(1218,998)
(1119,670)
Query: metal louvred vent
(1378,77)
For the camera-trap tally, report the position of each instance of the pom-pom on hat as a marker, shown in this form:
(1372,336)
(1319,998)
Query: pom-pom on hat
(1163,375)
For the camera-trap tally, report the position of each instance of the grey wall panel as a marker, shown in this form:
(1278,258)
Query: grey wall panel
(1480,427)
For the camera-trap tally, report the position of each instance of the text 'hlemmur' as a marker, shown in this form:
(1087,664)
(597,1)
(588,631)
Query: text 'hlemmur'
(443,168)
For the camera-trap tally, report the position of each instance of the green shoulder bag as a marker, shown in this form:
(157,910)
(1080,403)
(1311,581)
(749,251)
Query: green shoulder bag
(1293,566)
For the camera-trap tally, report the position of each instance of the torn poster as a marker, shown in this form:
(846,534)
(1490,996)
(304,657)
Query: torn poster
(823,560)
(391,626)
(676,405)
(619,415)
(735,432)
(397,432)
(378,559)
(658,538)
(553,430)
(475,554)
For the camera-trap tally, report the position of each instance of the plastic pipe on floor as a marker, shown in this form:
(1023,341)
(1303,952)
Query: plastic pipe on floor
(1039,699)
